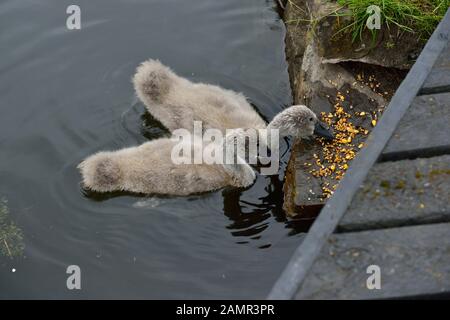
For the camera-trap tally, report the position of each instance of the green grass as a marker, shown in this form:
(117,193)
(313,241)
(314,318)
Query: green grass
(11,238)
(416,16)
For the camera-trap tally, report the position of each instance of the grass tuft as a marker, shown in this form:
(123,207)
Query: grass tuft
(415,16)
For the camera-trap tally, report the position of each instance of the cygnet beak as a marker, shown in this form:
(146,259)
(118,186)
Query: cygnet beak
(322,131)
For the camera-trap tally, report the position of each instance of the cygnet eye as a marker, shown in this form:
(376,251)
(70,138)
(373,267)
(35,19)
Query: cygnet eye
(311,119)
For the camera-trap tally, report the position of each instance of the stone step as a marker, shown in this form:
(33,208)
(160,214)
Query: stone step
(439,78)
(401,192)
(424,128)
(412,261)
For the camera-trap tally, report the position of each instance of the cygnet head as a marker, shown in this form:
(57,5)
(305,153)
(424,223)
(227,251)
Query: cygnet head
(300,122)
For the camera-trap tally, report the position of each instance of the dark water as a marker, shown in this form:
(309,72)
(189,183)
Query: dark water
(66,94)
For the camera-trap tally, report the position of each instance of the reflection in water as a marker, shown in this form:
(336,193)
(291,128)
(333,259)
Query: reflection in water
(248,217)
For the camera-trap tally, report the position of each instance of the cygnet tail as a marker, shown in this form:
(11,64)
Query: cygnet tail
(101,172)
(153,81)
